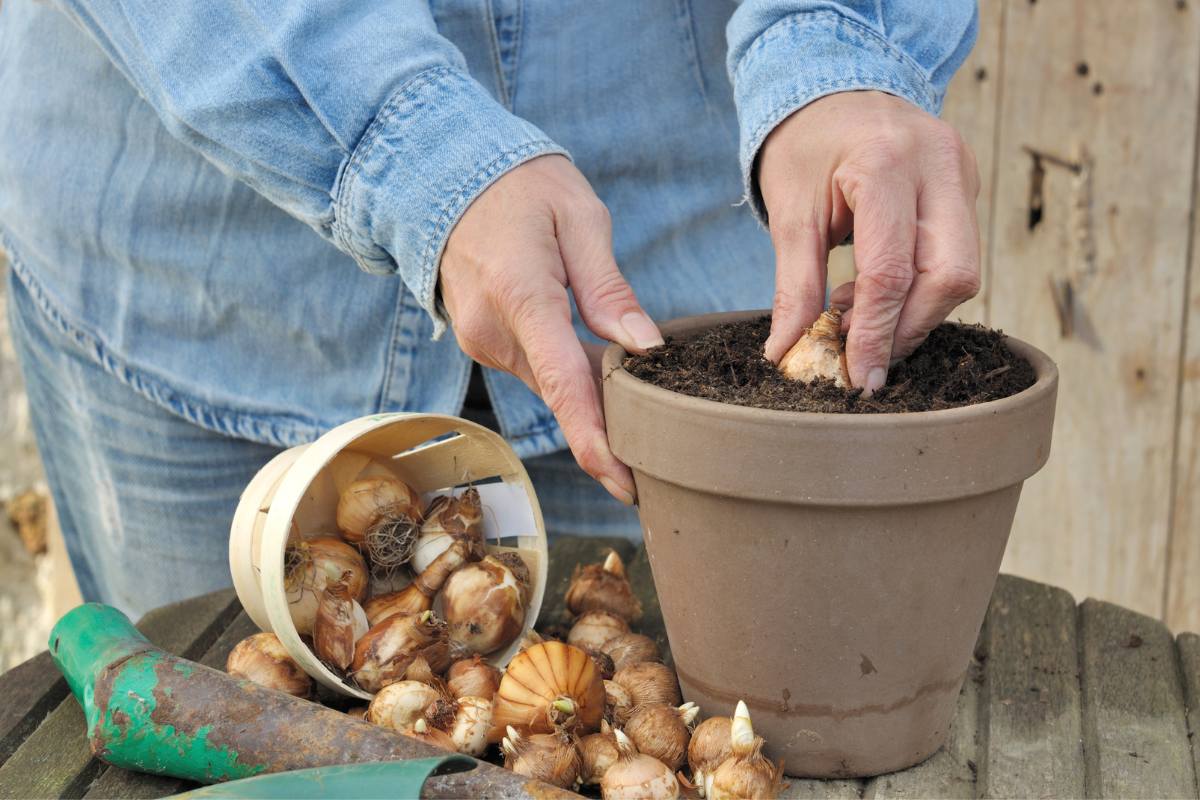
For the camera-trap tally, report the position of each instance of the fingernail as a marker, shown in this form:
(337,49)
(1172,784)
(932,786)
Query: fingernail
(876,378)
(616,491)
(768,349)
(641,331)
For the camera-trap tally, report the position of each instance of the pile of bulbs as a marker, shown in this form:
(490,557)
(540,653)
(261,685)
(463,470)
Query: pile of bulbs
(599,709)
(342,588)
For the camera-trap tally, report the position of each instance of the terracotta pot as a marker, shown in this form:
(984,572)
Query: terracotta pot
(832,570)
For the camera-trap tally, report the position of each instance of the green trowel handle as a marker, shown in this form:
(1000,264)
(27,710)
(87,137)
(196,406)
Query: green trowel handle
(348,781)
(151,711)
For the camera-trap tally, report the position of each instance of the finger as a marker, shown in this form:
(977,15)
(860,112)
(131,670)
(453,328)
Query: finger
(801,261)
(947,266)
(542,326)
(885,221)
(842,298)
(605,299)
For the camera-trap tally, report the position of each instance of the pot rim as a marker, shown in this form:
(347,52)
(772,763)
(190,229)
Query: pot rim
(1045,369)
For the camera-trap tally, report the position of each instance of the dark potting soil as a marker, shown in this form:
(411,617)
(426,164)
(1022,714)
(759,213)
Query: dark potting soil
(958,365)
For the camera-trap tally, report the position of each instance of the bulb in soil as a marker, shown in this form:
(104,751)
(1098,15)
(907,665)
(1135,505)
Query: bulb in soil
(819,353)
(263,659)
(547,757)
(637,776)
(418,595)
(546,687)
(447,520)
(473,677)
(662,731)
(747,772)
(628,649)
(386,651)
(618,704)
(649,682)
(340,623)
(603,587)
(594,629)
(485,602)
(312,564)
(709,747)
(597,752)
(399,705)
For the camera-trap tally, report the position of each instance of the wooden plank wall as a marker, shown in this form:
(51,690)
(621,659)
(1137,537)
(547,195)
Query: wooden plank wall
(1083,117)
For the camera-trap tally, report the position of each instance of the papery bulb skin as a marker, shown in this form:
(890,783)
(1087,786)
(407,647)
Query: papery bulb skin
(546,687)
(339,624)
(547,757)
(746,772)
(473,677)
(424,732)
(650,682)
(485,602)
(472,721)
(448,519)
(312,564)
(628,649)
(618,704)
(709,747)
(418,596)
(603,587)
(597,752)
(594,629)
(819,353)
(662,731)
(385,652)
(367,501)
(263,659)
(637,776)
(399,705)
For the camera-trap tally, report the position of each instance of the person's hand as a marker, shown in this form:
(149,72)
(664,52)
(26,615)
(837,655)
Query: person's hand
(906,184)
(504,277)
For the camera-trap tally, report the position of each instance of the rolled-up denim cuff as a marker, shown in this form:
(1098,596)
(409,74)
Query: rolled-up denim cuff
(435,145)
(805,57)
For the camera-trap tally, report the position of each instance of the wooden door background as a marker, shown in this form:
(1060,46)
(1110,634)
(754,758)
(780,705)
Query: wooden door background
(1083,116)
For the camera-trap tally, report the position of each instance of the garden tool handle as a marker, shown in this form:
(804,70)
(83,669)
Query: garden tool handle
(150,711)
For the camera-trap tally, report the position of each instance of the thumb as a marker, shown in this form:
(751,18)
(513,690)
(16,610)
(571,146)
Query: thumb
(605,299)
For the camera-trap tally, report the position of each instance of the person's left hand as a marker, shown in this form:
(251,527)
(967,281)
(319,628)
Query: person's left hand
(905,183)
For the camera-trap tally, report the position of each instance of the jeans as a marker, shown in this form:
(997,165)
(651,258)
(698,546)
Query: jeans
(145,497)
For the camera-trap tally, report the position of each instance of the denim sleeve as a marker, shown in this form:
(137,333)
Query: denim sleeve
(784,54)
(354,116)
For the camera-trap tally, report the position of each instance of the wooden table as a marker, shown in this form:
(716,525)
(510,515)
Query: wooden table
(1062,701)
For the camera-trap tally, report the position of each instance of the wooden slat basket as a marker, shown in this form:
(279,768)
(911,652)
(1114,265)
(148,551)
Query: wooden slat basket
(296,494)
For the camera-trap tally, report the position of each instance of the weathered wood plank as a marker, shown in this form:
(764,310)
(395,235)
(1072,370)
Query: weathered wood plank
(55,760)
(800,789)
(972,106)
(565,553)
(951,771)
(121,783)
(1182,611)
(1189,662)
(1112,237)
(31,691)
(1029,723)
(1135,740)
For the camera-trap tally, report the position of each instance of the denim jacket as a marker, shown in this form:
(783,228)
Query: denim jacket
(186,187)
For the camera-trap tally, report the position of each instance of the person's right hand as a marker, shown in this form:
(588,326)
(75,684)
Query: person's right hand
(534,233)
